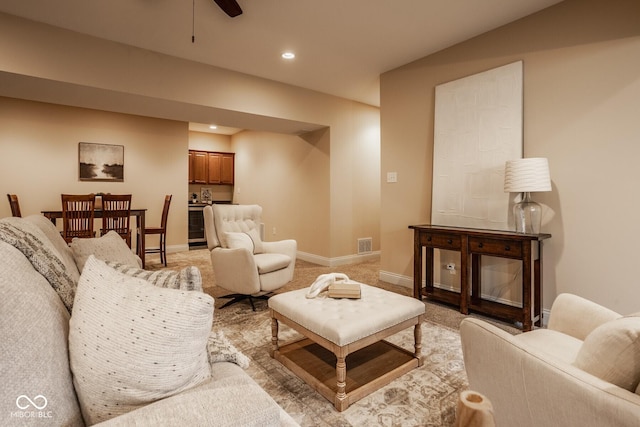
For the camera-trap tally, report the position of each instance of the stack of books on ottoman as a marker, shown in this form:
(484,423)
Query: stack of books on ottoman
(344,290)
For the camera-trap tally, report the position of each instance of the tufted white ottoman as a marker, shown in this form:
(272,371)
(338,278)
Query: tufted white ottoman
(342,355)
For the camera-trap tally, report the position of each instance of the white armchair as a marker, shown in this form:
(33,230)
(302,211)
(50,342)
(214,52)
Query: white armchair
(242,262)
(583,370)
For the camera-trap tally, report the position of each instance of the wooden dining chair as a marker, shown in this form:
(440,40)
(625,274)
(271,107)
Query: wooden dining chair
(162,231)
(116,215)
(78,213)
(15,206)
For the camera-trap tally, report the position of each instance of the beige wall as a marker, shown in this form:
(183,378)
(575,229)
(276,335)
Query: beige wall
(39,159)
(44,63)
(289,177)
(581,102)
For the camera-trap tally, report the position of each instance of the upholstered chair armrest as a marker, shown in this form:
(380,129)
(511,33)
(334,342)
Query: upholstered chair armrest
(287,247)
(576,316)
(235,270)
(528,388)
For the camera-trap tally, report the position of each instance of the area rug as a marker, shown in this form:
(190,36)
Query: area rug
(426,396)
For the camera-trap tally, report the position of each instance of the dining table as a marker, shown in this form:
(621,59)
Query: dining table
(138,213)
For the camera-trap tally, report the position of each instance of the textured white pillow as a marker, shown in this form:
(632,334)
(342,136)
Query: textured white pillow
(238,240)
(132,343)
(254,234)
(110,247)
(249,240)
(611,352)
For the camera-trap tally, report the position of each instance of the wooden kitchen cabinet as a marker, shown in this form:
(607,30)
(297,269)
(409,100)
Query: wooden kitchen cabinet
(198,167)
(208,167)
(221,168)
(227,168)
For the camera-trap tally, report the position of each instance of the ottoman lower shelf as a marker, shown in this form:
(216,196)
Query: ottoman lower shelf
(367,370)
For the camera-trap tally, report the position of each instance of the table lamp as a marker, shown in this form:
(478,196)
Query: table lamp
(527,176)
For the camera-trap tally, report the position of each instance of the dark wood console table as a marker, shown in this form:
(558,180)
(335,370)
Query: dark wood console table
(472,243)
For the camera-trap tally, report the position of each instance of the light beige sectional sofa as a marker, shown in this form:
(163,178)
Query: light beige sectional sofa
(131,353)
(583,370)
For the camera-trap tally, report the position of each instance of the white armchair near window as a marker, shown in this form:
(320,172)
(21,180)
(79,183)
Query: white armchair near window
(242,262)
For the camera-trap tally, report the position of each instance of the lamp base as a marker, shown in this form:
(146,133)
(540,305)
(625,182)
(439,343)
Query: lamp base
(527,215)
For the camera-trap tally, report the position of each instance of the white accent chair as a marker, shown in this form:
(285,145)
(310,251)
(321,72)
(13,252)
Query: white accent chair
(242,262)
(582,370)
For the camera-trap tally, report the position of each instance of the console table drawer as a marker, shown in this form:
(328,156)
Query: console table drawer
(442,241)
(503,248)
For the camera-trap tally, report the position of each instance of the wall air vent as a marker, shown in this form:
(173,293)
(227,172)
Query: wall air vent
(364,245)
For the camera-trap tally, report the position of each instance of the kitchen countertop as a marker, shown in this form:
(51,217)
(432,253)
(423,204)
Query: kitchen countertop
(220,202)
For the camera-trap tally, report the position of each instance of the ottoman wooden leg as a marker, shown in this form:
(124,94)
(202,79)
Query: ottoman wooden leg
(417,335)
(341,402)
(274,336)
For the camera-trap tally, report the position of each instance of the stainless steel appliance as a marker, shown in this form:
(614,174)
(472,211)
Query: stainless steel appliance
(196,226)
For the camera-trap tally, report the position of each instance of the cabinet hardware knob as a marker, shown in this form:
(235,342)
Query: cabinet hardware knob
(449,241)
(481,245)
(507,248)
(428,238)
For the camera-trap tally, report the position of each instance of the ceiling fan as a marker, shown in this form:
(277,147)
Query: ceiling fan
(230,7)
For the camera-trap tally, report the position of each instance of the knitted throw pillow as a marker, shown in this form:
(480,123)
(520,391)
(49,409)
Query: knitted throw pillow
(132,343)
(187,279)
(221,350)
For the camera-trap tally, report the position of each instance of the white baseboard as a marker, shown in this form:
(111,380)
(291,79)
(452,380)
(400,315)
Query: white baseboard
(175,248)
(334,262)
(396,279)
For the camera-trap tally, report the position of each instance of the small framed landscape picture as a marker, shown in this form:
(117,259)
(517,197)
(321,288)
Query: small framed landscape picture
(100,162)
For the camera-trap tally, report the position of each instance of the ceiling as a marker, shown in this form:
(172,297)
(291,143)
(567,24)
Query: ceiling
(341,46)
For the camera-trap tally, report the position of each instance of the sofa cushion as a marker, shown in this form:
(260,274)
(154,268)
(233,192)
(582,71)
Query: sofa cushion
(612,352)
(187,279)
(223,403)
(110,247)
(269,262)
(132,343)
(34,331)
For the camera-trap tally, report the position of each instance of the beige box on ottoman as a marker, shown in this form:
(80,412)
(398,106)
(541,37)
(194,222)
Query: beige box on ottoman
(343,355)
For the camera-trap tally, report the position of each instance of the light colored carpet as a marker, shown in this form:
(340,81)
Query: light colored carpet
(426,396)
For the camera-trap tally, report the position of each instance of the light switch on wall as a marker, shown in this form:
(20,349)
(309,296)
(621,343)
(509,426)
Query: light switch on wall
(392,176)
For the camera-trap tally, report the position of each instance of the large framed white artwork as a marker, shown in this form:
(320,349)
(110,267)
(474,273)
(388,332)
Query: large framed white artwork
(478,127)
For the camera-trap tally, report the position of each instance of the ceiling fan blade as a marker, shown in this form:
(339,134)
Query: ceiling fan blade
(230,7)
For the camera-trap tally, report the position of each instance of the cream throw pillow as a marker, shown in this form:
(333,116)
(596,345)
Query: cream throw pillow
(249,240)
(257,241)
(132,343)
(238,240)
(110,247)
(611,352)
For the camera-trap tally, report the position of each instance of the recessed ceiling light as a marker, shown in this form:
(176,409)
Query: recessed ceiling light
(213,127)
(288,55)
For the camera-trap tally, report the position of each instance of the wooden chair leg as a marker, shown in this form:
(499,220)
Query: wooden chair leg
(163,250)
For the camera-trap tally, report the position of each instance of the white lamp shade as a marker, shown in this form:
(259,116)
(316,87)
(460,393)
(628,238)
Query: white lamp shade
(527,175)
